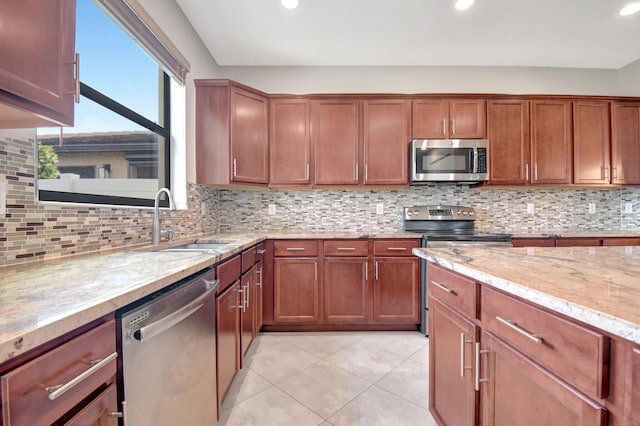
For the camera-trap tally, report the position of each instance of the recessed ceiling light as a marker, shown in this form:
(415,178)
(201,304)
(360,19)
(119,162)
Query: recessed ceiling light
(630,9)
(290,4)
(463,4)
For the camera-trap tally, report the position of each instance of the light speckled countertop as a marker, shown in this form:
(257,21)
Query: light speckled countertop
(579,234)
(41,301)
(599,286)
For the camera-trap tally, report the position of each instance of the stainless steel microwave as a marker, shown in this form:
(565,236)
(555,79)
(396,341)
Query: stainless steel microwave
(449,160)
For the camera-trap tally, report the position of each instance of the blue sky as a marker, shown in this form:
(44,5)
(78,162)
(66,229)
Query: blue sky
(111,62)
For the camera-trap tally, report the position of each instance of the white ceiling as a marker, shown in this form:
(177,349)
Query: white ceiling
(544,33)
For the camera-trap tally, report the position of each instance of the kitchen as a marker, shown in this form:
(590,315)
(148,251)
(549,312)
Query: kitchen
(48,231)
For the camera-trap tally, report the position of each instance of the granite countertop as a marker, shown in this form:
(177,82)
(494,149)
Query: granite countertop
(579,234)
(41,301)
(599,286)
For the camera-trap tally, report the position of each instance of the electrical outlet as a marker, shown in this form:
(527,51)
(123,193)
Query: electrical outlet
(628,207)
(380,208)
(272,209)
(530,208)
(592,208)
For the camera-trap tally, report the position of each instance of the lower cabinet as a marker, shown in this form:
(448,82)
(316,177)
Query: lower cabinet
(228,342)
(346,290)
(296,290)
(258,281)
(517,391)
(396,290)
(247,309)
(100,411)
(452,338)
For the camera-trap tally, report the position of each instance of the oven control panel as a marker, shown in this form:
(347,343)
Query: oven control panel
(439,213)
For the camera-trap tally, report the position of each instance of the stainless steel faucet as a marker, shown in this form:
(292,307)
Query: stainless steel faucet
(156,234)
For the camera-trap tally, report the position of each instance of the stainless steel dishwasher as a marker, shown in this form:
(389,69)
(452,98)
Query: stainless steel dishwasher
(168,347)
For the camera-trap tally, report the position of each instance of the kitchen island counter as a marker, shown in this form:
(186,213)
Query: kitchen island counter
(599,286)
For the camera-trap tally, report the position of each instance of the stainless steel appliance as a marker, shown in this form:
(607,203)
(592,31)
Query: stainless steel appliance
(444,226)
(449,160)
(168,347)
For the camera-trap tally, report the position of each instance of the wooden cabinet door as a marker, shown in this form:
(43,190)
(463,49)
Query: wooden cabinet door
(249,137)
(520,392)
(452,397)
(430,119)
(625,143)
(259,299)
(346,290)
(290,144)
(228,338)
(296,290)
(533,242)
(468,119)
(509,142)
(551,148)
(578,242)
(396,290)
(335,132)
(386,141)
(247,317)
(37,47)
(98,412)
(634,388)
(591,142)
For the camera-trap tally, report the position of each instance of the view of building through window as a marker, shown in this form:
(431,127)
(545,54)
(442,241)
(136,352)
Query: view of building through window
(117,149)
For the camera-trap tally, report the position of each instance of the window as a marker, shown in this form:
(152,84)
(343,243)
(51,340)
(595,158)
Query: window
(118,151)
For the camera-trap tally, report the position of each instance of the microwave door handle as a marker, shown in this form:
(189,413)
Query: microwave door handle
(475,160)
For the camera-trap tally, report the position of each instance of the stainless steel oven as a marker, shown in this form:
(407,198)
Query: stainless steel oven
(449,160)
(168,347)
(446,226)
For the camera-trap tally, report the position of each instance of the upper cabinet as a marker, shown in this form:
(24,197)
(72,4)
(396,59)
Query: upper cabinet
(591,142)
(38,68)
(232,143)
(448,118)
(551,137)
(625,143)
(386,128)
(509,142)
(290,142)
(336,140)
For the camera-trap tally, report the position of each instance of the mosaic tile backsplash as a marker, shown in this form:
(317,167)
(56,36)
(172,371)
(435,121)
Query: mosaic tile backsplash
(30,231)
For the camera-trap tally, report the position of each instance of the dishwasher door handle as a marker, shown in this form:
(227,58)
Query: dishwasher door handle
(180,314)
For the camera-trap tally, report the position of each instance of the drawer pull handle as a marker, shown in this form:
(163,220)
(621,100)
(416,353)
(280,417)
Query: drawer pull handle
(295,248)
(441,287)
(396,248)
(514,326)
(57,390)
(262,251)
(346,248)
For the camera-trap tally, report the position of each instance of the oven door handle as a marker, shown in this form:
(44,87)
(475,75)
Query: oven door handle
(149,331)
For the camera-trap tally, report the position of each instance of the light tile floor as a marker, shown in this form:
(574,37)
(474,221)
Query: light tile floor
(341,378)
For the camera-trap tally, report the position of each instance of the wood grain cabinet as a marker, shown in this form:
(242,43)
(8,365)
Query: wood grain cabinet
(591,142)
(37,73)
(32,393)
(335,136)
(625,143)
(296,285)
(346,281)
(247,310)
(259,296)
(551,142)
(232,139)
(290,142)
(508,131)
(387,132)
(434,118)
(396,282)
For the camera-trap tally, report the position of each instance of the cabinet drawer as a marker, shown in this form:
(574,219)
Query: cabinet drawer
(575,242)
(25,400)
(394,247)
(248,259)
(578,355)
(297,248)
(346,248)
(621,241)
(228,272)
(261,249)
(454,290)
